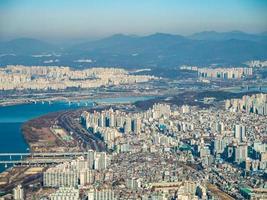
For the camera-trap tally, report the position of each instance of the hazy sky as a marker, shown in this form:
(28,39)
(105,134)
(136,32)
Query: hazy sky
(73,19)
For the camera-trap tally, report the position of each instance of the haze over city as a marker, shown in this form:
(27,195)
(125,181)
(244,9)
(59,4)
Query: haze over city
(133,99)
(81,19)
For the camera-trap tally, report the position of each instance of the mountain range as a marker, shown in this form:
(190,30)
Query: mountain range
(156,50)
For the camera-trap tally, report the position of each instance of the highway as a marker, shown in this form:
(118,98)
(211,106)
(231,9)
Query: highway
(35,161)
(45,154)
(67,121)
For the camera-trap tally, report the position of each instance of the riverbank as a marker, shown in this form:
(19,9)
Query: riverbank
(45,133)
(12,119)
(39,135)
(74,97)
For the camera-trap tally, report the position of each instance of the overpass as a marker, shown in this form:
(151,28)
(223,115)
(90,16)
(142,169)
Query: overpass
(45,154)
(33,159)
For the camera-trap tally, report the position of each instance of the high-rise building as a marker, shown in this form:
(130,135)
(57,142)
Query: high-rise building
(102,120)
(111,120)
(204,151)
(239,132)
(219,127)
(101,161)
(219,144)
(119,121)
(161,110)
(18,193)
(133,183)
(137,125)
(91,158)
(190,187)
(60,177)
(82,163)
(86,177)
(128,125)
(65,194)
(250,104)
(185,109)
(103,194)
(241,153)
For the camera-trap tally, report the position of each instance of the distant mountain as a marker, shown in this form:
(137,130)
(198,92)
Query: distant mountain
(124,44)
(26,46)
(156,50)
(239,35)
(170,50)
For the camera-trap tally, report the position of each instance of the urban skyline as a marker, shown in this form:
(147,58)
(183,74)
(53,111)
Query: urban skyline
(133,100)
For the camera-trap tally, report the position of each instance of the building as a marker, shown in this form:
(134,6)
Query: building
(18,193)
(219,144)
(240,132)
(128,125)
(60,177)
(86,177)
(250,104)
(64,193)
(137,125)
(103,194)
(224,73)
(101,161)
(241,153)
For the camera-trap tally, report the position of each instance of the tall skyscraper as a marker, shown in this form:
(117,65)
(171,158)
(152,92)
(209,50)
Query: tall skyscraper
(241,153)
(91,158)
(101,161)
(219,127)
(111,120)
(128,125)
(137,125)
(239,132)
(219,144)
(102,120)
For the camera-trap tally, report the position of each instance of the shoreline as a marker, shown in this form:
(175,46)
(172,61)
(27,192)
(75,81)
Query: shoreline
(28,134)
(39,138)
(75,99)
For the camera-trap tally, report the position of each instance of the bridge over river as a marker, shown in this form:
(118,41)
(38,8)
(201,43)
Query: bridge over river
(33,159)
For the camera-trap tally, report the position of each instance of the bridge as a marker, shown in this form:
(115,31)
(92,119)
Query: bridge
(45,154)
(34,161)
(45,158)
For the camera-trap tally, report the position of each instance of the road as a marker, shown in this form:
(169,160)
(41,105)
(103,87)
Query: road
(67,121)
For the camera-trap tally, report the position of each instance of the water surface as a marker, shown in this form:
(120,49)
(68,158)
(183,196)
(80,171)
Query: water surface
(12,118)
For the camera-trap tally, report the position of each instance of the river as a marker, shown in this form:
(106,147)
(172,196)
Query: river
(12,118)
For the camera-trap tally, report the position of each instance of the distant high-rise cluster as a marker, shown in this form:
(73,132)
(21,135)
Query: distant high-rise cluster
(190,68)
(257,63)
(127,123)
(250,104)
(111,124)
(224,73)
(59,78)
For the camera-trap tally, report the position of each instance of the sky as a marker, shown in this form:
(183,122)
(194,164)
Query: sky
(85,19)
